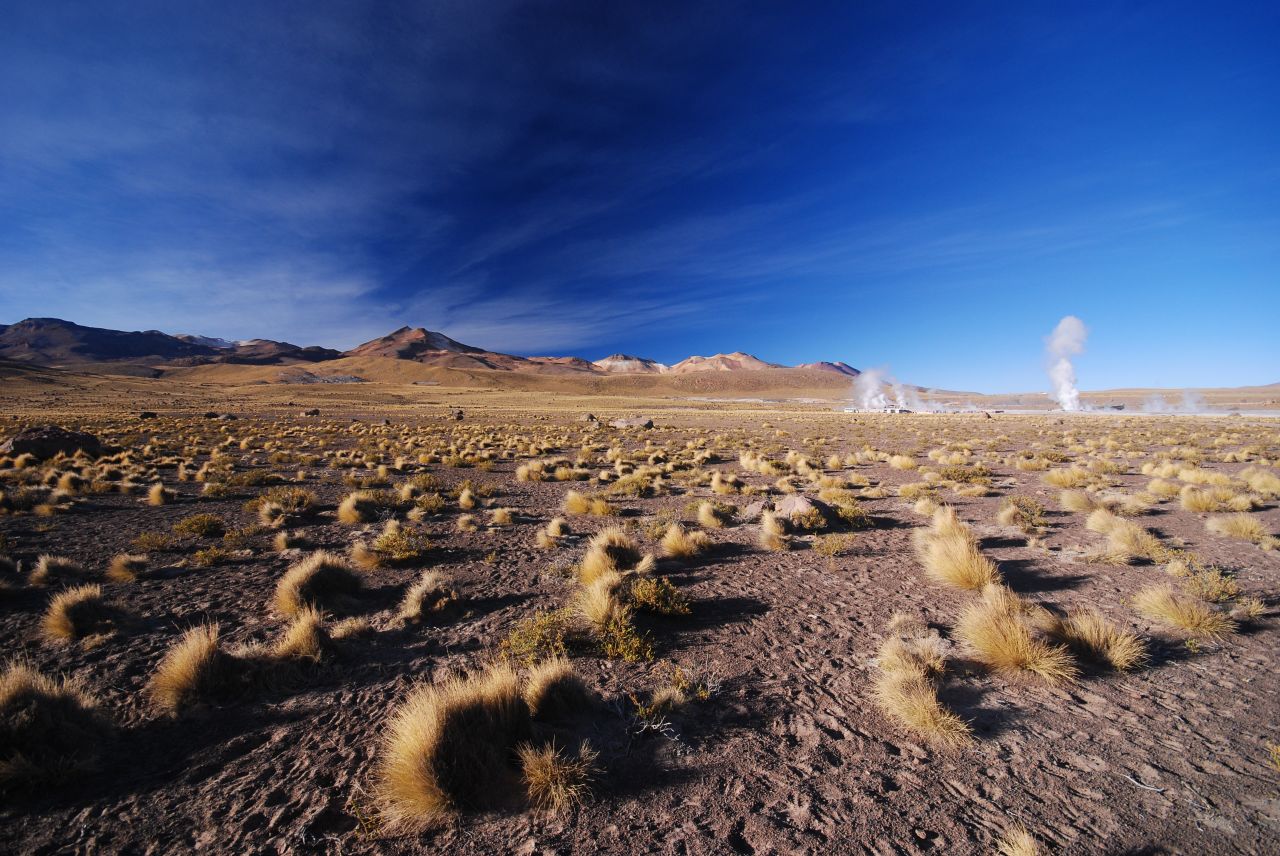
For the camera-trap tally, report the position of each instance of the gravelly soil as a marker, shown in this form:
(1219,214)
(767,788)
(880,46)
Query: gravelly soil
(790,754)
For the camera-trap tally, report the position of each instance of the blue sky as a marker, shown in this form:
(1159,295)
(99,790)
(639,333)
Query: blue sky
(928,187)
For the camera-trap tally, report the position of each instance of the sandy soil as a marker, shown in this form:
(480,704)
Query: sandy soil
(789,754)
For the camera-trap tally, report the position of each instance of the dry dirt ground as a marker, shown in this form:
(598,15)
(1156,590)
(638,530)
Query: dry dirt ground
(789,750)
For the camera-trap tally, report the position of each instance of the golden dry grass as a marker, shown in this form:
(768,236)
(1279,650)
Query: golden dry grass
(611,550)
(50,730)
(578,503)
(1017,841)
(554,781)
(159,495)
(1090,634)
(679,543)
(956,561)
(322,579)
(1067,477)
(1003,632)
(1199,501)
(50,569)
(191,670)
(125,567)
(709,517)
(305,639)
(598,603)
(361,506)
(432,594)
(1193,617)
(905,687)
(451,747)
(75,613)
(773,535)
(1079,501)
(913,702)
(1244,526)
(554,691)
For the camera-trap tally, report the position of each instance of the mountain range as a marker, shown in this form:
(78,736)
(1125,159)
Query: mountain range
(64,344)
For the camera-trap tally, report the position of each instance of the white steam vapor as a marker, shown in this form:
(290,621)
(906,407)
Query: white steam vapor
(1066,341)
(876,389)
(1192,402)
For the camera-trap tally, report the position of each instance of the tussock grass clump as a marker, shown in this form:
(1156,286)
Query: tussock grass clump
(193,669)
(50,730)
(830,546)
(773,533)
(554,691)
(1241,525)
(925,506)
(679,543)
(1125,540)
(76,613)
(1007,634)
(395,546)
(1072,476)
(554,781)
(364,506)
(956,561)
(200,526)
(431,595)
(1195,618)
(125,567)
(902,462)
(1021,512)
(1199,501)
(911,660)
(579,503)
(549,537)
(544,635)
(611,550)
(950,555)
(158,494)
(154,542)
(711,516)
(50,569)
(1017,841)
(657,595)
(451,747)
(1091,635)
(285,540)
(305,639)
(323,579)
(600,605)
(1079,501)
(1262,481)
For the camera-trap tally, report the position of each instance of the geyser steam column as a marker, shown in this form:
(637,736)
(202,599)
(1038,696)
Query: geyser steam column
(1066,341)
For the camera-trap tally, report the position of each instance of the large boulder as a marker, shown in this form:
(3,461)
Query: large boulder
(804,512)
(635,422)
(753,512)
(47,441)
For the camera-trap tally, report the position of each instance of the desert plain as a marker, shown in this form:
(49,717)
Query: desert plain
(401,617)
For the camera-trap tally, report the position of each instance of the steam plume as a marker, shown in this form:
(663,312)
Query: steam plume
(873,387)
(1066,341)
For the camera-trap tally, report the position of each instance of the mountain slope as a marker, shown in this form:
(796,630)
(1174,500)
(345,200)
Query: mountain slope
(737,361)
(410,343)
(837,367)
(52,342)
(627,364)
